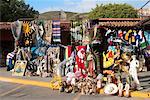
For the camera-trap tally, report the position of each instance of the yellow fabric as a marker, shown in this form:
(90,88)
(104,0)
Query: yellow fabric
(55,83)
(127,35)
(108,63)
(133,38)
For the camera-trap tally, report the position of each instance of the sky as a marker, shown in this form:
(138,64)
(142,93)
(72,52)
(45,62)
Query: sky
(78,5)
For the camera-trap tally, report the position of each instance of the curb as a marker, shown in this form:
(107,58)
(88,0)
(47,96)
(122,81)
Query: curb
(140,94)
(47,85)
(133,94)
(25,82)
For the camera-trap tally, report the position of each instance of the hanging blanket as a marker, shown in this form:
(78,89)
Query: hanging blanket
(48,30)
(80,57)
(56,31)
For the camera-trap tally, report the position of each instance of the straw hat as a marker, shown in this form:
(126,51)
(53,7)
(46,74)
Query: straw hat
(110,88)
(125,56)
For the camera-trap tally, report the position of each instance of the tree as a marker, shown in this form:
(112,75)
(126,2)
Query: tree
(11,10)
(113,11)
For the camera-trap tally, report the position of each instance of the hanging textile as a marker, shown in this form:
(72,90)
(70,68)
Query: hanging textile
(147,36)
(86,39)
(27,31)
(53,52)
(48,30)
(68,52)
(143,43)
(10,60)
(56,31)
(53,57)
(134,38)
(16,31)
(88,25)
(40,42)
(80,57)
(140,34)
(120,33)
(95,30)
(127,35)
(97,48)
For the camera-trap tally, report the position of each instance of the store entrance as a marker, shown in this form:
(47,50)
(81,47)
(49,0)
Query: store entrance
(6,45)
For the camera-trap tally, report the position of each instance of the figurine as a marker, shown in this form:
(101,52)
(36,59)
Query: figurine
(127,87)
(73,83)
(91,64)
(109,79)
(82,89)
(62,86)
(120,86)
(99,84)
(134,64)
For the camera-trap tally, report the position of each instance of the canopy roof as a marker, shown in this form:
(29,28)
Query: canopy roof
(119,22)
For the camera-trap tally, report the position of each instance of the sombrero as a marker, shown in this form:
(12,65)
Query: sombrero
(125,56)
(110,88)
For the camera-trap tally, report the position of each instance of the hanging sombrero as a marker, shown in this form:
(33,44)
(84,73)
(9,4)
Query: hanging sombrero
(110,89)
(125,56)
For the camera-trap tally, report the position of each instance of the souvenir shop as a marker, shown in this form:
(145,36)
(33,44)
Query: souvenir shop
(97,58)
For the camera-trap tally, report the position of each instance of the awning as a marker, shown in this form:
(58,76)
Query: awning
(145,22)
(5,25)
(119,24)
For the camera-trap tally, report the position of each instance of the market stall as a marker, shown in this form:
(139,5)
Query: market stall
(99,54)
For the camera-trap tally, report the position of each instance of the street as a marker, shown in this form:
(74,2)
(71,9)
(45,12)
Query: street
(11,91)
(14,91)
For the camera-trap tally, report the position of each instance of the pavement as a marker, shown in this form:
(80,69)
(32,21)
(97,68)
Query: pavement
(13,91)
(43,83)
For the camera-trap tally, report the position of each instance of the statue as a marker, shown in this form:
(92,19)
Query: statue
(120,86)
(134,64)
(91,64)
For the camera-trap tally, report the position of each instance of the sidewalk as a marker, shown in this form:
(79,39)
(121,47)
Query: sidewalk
(44,82)
(8,74)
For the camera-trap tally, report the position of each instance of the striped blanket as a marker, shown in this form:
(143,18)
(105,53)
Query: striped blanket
(56,31)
